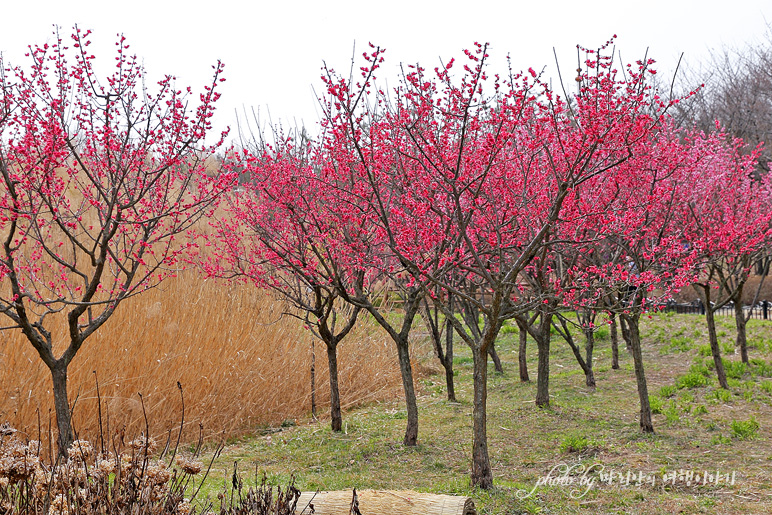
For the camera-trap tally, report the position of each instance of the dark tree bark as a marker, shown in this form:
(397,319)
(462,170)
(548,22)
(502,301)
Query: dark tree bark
(589,347)
(496,360)
(741,319)
(335,414)
(480,341)
(412,301)
(482,475)
(584,362)
(448,363)
(543,372)
(715,350)
(324,321)
(406,369)
(626,333)
(587,320)
(542,335)
(741,344)
(632,321)
(445,356)
(521,353)
(614,342)
(62,407)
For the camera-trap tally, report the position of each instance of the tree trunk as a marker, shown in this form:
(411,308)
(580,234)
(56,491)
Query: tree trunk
(543,371)
(447,363)
(741,343)
(406,369)
(640,375)
(585,365)
(336,419)
(589,374)
(482,476)
(411,307)
(496,360)
(449,382)
(521,354)
(710,321)
(62,407)
(715,350)
(614,342)
(445,356)
(625,333)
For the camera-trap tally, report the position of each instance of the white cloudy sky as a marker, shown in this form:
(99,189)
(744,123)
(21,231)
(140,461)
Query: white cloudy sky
(274,51)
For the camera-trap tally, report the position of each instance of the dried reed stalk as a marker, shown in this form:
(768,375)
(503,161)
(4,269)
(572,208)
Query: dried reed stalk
(241,364)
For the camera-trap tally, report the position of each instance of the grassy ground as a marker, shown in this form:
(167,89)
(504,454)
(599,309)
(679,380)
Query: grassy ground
(699,428)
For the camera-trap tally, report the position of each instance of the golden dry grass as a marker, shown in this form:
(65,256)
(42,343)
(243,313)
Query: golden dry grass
(242,365)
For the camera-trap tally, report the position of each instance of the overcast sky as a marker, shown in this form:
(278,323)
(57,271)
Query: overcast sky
(273,51)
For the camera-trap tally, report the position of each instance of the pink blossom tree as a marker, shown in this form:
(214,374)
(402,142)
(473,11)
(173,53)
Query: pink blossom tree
(731,231)
(360,158)
(275,234)
(100,179)
(646,250)
(459,179)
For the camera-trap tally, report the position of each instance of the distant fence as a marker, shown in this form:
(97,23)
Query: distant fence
(761,311)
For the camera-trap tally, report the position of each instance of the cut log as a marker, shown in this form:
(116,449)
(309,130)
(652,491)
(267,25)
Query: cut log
(383,502)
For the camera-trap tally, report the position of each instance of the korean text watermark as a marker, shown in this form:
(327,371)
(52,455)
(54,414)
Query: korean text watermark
(582,478)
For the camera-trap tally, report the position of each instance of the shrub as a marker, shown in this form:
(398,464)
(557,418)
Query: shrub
(125,480)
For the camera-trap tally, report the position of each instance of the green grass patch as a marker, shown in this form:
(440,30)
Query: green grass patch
(656,405)
(733,369)
(760,368)
(692,380)
(577,444)
(667,391)
(679,344)
(745,429)
(766,386)
(721,395)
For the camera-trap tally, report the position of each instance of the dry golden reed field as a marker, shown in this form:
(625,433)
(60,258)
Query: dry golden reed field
(241,364)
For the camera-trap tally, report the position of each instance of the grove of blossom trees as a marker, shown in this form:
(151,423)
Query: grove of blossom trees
(496,198)
(492,199)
